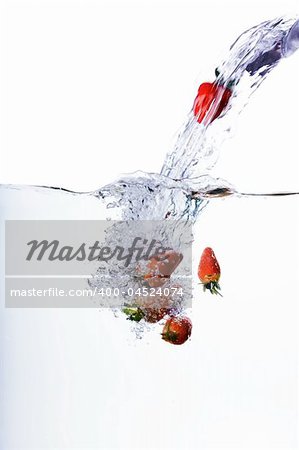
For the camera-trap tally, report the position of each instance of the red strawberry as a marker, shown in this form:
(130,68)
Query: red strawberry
(154,307)
(160,267)
(211,100)
(154,315)
(177,330)
(150,315)
(209,271)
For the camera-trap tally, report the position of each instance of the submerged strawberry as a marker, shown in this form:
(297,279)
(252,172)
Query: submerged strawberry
(151,315)
(209,271)
(152,308)
(177,330)
(160,267)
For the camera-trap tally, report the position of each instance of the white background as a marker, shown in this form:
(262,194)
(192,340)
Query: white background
(90,90)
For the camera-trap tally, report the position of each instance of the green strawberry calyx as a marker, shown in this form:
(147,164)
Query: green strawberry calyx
(213,287)
(134,313)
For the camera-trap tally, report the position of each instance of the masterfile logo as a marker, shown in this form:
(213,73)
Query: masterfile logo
(94,263)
